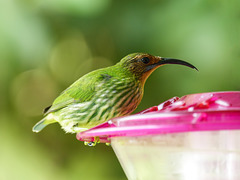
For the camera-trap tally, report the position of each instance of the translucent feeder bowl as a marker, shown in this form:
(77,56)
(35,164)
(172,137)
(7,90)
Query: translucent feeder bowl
(195,137)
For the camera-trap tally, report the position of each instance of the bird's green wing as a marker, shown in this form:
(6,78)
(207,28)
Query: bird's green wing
(81,91)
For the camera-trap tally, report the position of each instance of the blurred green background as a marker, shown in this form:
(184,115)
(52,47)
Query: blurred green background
(47,45)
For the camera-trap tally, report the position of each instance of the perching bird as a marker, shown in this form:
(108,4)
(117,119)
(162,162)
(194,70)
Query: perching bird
(104,93)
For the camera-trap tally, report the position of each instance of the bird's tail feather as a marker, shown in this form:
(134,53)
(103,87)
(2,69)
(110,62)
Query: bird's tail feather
(42,124)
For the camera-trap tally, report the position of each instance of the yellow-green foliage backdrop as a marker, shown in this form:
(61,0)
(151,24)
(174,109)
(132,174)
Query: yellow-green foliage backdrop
(45,45)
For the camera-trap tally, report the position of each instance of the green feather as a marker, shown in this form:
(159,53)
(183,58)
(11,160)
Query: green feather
(81,91)
(42,124)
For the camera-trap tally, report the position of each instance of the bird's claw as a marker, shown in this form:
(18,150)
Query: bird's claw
(108,144)
(92,143)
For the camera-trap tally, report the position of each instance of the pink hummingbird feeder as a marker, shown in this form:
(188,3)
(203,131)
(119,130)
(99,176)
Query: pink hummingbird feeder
(195,137)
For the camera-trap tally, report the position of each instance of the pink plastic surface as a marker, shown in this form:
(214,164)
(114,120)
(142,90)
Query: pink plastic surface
(194,112)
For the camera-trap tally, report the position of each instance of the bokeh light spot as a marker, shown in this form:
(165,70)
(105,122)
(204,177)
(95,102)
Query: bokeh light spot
(32,91)
(68,56)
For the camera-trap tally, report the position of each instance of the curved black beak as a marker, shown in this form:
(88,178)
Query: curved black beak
(175,61)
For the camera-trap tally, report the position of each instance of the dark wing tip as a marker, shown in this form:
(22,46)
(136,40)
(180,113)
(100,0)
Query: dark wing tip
(46,109)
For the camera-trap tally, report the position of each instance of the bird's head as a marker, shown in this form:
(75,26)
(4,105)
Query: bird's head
(141,65)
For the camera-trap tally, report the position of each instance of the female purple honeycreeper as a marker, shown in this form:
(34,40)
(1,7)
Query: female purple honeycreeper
(104,93)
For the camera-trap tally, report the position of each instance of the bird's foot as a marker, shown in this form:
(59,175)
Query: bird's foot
(108,144)
(92,143)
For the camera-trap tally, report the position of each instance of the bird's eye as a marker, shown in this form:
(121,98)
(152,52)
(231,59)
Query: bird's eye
(145,60)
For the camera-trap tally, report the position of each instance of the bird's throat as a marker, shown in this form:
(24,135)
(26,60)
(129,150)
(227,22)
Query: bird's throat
(146,74)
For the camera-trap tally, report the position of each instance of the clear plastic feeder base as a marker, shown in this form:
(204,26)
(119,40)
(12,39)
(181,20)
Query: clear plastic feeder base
(206,155)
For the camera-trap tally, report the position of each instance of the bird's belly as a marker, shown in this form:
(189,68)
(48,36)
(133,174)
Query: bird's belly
(82,116)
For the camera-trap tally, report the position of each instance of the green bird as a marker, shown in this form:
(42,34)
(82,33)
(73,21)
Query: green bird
(104,93)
